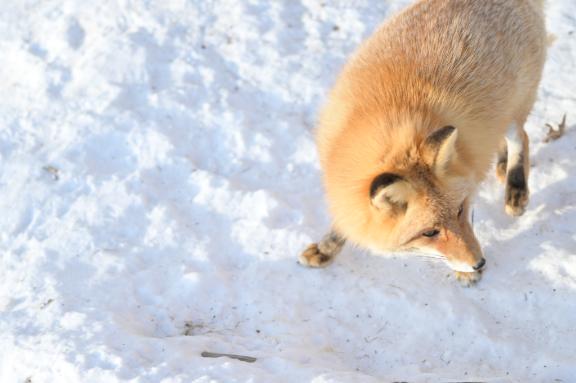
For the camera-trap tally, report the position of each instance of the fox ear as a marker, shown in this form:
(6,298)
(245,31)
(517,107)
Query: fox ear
(389,191)
(441,145)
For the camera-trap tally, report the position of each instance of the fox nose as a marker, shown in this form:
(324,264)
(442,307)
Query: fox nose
(480,265)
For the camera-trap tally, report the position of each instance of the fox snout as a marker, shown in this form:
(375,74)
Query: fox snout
(465,267)
(480,265)
(462,250)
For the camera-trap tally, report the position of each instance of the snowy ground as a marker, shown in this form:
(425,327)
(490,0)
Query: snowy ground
(158,178)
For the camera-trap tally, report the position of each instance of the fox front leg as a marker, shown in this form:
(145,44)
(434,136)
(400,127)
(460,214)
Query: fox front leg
(321,254)
(468,279)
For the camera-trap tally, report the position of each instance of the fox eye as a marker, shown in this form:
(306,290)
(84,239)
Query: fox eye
(460,210)
(431,233)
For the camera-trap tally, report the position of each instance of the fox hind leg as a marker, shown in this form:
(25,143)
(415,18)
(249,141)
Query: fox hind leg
(517,169)
(502,162)
(321,254)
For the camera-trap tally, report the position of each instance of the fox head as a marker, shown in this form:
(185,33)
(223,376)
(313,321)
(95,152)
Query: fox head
(429,202)
(416,199)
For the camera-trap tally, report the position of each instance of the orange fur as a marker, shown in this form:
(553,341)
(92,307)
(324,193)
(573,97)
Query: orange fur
(471,64)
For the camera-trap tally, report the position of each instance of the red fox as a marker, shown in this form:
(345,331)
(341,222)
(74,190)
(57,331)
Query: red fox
(415,120)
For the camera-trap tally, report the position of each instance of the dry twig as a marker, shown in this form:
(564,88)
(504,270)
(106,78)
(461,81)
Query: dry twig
(554,134)
(243,358)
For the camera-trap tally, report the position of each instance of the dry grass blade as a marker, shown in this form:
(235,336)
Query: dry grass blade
(554,134)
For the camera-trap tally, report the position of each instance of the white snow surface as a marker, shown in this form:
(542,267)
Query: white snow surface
(158,178)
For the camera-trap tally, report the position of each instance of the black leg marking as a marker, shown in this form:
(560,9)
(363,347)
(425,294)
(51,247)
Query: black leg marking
(516,191)
(332,243)
(516,177)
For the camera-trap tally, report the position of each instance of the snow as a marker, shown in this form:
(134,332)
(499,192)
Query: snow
(158,178)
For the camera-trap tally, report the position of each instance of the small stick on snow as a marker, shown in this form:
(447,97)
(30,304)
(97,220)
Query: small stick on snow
(243,358)
(554,134)
(53,171)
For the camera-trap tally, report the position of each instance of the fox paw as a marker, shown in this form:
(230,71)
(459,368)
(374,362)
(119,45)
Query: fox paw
(516,200)
(313,257)
(468,279)
(516,196)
